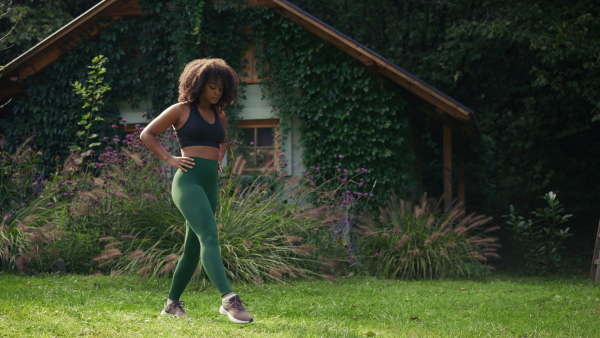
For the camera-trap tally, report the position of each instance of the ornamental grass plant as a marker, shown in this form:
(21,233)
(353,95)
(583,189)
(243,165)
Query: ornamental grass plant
(417,240)
(261,229)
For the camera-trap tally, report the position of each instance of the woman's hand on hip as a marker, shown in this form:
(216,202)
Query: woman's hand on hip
(182,163)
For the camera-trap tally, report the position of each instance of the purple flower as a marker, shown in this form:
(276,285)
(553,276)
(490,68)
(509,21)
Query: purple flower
(377,254)
(341,157)
(98,165)
(251,143)
(145,177)
(50,204)
(60,182)
(114,126)
(69,182)
(281,155)
(123,120)
(316,229)
(65,194)
(122,181)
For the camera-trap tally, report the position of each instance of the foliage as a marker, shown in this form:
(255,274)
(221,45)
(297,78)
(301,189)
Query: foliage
(342,108)
(20,180)
(265,234)
(542,238)
(415,240)
(530,71)
(145,71)
(92,95)
(24,238)
(35,21)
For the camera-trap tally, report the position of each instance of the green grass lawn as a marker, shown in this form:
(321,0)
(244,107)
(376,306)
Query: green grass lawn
(495,306)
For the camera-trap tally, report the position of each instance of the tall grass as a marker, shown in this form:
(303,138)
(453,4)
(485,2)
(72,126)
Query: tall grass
(418,240)
(263,224)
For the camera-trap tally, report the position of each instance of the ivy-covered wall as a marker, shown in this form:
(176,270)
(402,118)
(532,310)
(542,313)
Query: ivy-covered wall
(348,117)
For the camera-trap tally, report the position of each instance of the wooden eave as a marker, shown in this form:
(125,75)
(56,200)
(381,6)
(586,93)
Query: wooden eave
(47,51)
(443,104)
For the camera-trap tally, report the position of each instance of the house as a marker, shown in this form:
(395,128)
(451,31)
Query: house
(436,111)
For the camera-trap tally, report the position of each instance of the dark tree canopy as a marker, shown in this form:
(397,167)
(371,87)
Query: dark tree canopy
(33,21)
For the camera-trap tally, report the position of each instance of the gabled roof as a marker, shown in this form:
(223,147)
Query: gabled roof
(90,23)
(46,52)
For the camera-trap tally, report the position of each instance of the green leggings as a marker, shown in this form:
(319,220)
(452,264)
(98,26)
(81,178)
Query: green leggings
(195,194)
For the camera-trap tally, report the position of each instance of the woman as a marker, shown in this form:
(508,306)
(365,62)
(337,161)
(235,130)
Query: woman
(206,87)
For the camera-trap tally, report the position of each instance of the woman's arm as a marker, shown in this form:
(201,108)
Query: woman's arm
(149,135)
(223,145)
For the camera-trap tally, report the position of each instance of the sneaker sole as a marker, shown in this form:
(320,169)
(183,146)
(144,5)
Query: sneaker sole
(233,319)
(164,313)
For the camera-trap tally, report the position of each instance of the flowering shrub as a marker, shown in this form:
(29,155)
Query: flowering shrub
(341,197)
(416,240)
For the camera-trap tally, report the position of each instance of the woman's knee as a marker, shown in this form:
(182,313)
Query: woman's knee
(209,240)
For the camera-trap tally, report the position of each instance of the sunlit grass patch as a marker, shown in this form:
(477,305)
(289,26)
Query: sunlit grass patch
(497,306)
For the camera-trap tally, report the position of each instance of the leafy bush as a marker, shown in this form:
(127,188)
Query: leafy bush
(541,238)
(417,240)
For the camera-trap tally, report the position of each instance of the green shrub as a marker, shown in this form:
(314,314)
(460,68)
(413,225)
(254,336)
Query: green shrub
(541,238)
(24,238)
(417,240)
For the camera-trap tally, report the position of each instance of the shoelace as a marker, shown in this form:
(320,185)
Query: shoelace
(236,303)
(177,305)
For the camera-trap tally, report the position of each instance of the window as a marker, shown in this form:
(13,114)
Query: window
(259,144)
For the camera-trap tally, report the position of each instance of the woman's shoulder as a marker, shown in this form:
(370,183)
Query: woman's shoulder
(178,109)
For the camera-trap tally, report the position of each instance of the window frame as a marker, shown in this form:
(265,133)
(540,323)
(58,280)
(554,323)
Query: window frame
(262,123)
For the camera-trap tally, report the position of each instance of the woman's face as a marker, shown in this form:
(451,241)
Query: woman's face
(212,91)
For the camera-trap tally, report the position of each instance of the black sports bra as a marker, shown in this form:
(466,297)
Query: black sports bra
(197,132)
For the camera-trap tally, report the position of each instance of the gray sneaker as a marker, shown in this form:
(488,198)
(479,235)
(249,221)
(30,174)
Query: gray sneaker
(175,308)
(235,310)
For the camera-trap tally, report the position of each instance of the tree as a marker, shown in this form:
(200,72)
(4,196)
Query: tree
(34,21)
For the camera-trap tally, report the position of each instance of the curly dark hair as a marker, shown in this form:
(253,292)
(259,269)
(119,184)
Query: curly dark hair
(198,72)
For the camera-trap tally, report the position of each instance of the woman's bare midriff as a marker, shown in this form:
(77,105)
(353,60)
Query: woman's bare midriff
(209,153)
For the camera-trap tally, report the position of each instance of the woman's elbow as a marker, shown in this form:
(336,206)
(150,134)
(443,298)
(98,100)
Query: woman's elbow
(145,135)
